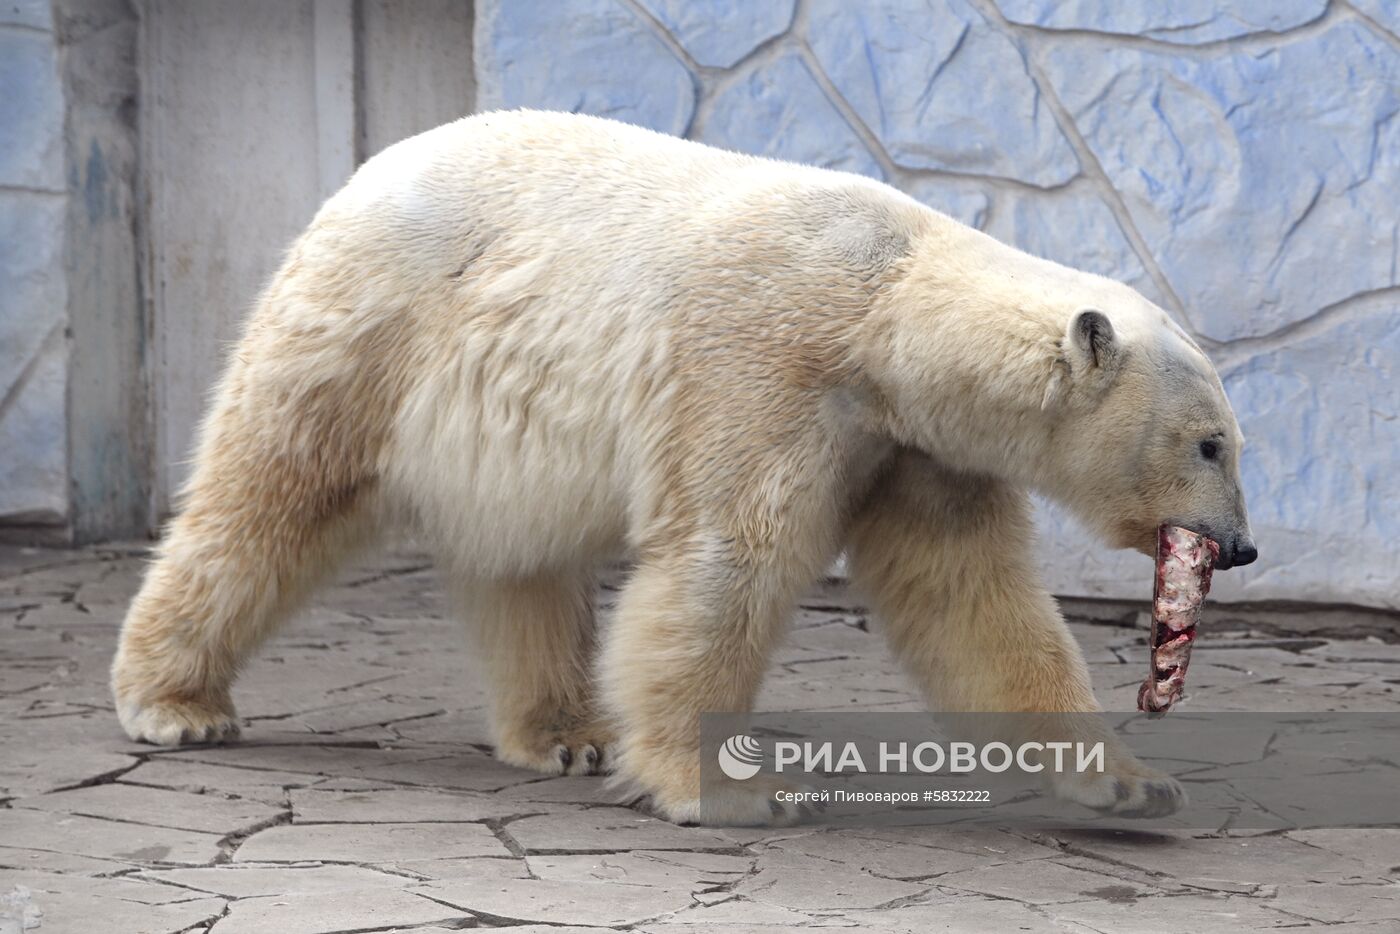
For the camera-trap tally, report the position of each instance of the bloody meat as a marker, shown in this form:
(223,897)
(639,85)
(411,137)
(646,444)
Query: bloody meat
(1184,562)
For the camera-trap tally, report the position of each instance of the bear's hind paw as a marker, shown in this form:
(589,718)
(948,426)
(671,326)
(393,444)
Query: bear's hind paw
(178,723)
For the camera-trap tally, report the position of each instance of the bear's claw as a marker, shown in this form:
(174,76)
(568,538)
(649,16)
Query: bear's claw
(557,756)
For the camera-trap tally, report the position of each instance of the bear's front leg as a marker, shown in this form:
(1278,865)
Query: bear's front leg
(946,561)
(692,635)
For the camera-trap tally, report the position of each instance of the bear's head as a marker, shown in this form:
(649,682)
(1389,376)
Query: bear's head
(1146,435)
(995,362)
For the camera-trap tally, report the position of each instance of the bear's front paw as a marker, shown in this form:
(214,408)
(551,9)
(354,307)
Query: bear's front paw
(178,723)
(577,749)
(761,801)
(1127,788)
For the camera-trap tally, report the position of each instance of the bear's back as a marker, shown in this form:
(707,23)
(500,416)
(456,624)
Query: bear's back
(576,178)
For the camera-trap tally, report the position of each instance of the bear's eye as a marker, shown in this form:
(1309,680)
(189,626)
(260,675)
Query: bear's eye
(1209,449)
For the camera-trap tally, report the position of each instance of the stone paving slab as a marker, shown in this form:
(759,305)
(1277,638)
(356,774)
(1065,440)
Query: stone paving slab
(326,913)
(267,786)
(364,797)
(382,805)
(64,903)
(134,844)
(610,829)
(369,843)
(158,807)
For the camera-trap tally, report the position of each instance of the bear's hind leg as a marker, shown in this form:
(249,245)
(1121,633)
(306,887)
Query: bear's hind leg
(536,637)
(265,519)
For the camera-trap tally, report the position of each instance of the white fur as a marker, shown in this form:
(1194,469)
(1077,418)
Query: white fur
(543,341)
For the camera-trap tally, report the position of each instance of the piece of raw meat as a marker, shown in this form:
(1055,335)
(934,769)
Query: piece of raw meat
(1184,562)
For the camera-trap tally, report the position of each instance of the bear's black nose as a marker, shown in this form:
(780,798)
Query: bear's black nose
(1245,554)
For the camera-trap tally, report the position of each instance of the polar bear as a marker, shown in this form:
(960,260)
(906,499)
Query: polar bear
(543,341)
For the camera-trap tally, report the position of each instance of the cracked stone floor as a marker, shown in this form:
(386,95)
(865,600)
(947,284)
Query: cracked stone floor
(364,798)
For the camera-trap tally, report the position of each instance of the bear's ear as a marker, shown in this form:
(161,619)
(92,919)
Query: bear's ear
(1092,343)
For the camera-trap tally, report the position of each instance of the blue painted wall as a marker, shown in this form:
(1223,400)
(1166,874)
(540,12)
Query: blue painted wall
(1236,160)
(33,293)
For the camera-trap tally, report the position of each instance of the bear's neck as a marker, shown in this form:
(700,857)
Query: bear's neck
(967,351)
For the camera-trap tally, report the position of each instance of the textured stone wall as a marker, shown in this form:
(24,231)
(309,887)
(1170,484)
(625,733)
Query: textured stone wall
(1236,160)
(33,291)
